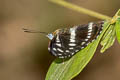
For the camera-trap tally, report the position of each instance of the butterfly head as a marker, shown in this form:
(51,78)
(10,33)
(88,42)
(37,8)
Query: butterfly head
(52,35)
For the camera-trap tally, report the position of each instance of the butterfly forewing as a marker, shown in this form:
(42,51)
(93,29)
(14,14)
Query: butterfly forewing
(67,42)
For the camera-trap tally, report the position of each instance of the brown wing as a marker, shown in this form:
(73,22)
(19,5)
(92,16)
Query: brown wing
(68,42)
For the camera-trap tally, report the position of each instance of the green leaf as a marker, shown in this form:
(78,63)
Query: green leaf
(117,26)
(70,68)
(113,30)
(108,38)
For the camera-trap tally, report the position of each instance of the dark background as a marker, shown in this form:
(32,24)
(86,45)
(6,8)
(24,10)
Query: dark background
(25,56)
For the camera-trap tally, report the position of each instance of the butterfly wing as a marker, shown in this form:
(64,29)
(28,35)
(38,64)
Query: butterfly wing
(67,42)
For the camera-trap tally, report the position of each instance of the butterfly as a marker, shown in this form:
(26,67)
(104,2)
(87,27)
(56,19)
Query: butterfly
(64,43)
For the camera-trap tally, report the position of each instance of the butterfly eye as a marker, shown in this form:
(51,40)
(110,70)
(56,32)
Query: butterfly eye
(50,36)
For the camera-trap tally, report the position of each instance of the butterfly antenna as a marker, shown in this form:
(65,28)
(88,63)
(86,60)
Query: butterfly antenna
(33,31)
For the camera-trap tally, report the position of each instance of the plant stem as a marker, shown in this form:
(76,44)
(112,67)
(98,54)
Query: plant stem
(81,10)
